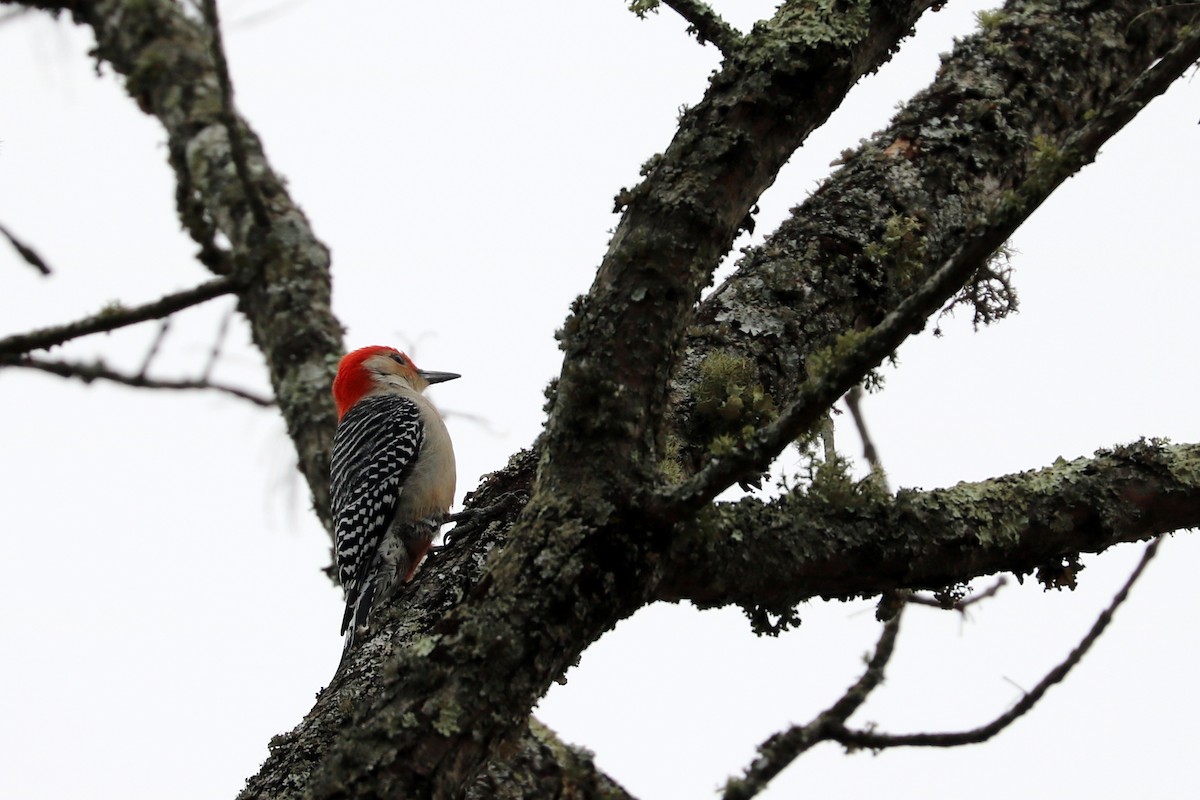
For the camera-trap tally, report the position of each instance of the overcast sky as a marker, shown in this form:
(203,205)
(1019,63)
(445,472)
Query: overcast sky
(163,611)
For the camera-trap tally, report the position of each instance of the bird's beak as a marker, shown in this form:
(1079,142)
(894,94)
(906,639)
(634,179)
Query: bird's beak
(437,377)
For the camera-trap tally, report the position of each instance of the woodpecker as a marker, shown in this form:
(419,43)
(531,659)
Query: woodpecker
(391,479)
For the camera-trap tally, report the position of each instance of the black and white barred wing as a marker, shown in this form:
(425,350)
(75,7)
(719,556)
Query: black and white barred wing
(376,444)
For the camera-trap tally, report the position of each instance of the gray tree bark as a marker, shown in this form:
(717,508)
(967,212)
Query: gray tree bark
(668,397)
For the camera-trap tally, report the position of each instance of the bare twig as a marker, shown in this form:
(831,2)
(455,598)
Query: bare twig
(854,403)
(877,741)
(707,24)
(25,251)
(114,317)
(229,118)
(163,327)
(777,752)
(963,604)
(217,345)
(853,399)
(98,371)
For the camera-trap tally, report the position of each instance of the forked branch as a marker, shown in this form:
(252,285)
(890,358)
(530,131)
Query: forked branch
(878,741)
(777,752)
(855,354)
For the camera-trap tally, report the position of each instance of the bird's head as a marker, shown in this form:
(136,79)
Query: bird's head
(374,369)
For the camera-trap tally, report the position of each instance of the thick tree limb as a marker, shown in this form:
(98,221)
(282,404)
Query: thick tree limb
(860,542)
(854,356)
(445,688)
(987,133)
(543,766)
(621,342)
(578,559)
(571,567)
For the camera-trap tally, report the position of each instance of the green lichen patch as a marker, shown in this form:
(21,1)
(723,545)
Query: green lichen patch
(901,248)
(730,401)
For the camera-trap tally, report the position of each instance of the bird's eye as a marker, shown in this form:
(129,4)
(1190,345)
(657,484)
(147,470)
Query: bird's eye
(399,359)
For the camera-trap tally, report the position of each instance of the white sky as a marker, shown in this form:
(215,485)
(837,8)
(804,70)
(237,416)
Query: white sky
(163,611)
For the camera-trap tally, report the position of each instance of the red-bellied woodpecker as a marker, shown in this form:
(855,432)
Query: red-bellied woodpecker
(391,476)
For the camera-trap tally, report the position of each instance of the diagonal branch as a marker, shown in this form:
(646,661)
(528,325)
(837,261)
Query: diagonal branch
(779,751)
(879,741)
(25,252)
(775,754)
(987,132)
(113,317)
(453,686)
(164,328)
(237,146)
(855,354)
(623,338)
(98,371)
(707,24)
(563,575)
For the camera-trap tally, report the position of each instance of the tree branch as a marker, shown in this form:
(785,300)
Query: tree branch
(779,751)
(164,328)
(681,221)
(445,688)
(988,133)
(853,357)
(98,371)
(280,267)
(879,741)
(782,749)
(544,766)
(565,572)
(952,601)
(229,119)
(853,400)
(26,252)
(115,316)
(1017,523)
(707,24)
